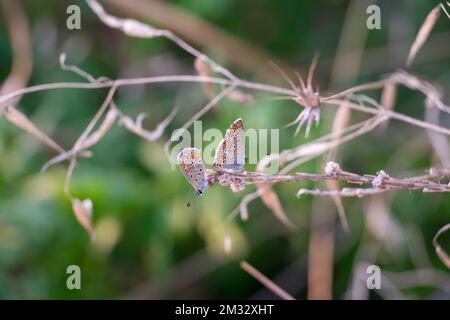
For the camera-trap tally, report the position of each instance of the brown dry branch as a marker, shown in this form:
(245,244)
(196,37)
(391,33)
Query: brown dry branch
(379,183)
(341,121)
(145,80)
(85,135)
(438,141)
(393,115)
(425,87)
(270,199)
(21,121)
(138,29)
(243,210)
(196,30)
(136,126)
(269,284)
(19,34)
(94,138)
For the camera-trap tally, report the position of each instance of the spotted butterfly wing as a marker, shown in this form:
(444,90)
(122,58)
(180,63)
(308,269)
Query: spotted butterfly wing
(192,167)
(230,153)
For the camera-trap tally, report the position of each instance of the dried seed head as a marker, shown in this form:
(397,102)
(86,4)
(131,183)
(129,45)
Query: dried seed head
(305,96)
(332,168)
(309,99)
(423,33)
(380,179)
(83,213)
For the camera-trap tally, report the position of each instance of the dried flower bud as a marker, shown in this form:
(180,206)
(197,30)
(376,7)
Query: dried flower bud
(332,168)
(241,97)
(379,180)
(83,213)
(204,70)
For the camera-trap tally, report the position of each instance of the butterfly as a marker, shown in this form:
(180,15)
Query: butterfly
(193,168)
(230,154)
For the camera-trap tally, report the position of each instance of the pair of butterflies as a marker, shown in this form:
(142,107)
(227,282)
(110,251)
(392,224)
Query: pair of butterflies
(230,154)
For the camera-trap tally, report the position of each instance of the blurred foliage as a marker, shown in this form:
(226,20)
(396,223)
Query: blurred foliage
(149,243)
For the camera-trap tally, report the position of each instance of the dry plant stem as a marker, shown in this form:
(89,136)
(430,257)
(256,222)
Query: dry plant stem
(19,35)
(241,208)
(368,86)
(136,126)
(345,192)
(196,30)
(383,183)
(398,77)
(425,87)
(133,126)
(214,101)
(393,115)
(346,67)
(239,83)
(138,29)
(269,284)
(90,141)
(78,144)
(145,80)
(20,120)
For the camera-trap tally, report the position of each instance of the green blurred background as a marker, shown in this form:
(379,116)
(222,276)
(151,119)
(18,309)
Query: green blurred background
(149,244)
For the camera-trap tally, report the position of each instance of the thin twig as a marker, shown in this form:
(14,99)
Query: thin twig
(269,284)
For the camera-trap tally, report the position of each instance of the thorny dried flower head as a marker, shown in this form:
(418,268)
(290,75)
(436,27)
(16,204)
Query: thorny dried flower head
(305,96)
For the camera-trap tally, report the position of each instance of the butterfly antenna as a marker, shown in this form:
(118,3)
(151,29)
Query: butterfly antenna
(283,74)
